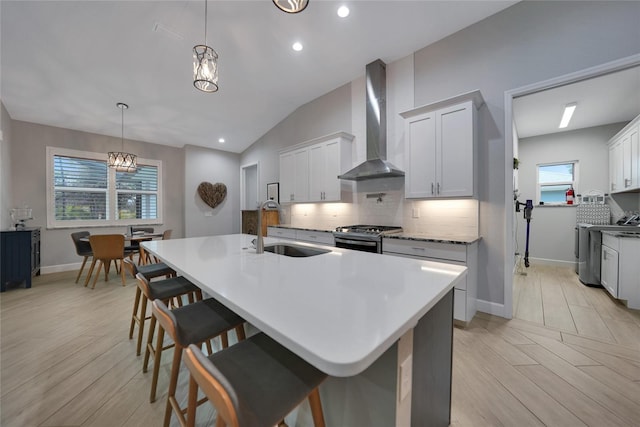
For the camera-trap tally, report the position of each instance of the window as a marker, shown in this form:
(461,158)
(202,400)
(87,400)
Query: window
(84,191)
(554,179)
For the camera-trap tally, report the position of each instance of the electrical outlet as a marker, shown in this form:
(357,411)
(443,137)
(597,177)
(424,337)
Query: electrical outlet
(415,213)
(405,377)
(208,213)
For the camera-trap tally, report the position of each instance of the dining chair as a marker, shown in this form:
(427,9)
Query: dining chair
(134,245)
(83,248)
(255,382)
(166,235)
(106,248)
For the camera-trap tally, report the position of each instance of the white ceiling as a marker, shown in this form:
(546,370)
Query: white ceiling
(607,99)
(67,63)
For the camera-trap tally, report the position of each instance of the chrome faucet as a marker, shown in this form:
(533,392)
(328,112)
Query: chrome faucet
(260,239)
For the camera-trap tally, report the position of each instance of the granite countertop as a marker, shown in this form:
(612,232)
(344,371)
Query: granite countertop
(630,234)
(313,306)
(289,226)
(461,240)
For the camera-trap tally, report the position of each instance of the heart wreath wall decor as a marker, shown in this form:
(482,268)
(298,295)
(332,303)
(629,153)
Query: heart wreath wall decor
(212,194)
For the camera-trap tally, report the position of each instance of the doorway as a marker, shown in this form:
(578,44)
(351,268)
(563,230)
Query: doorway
(511,149)
(249,184)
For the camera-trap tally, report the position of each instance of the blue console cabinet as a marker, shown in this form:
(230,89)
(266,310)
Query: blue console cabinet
(20,254)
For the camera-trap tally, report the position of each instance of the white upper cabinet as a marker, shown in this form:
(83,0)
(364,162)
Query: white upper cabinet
(326,158)
(294,176)
(624,159)
(440,148)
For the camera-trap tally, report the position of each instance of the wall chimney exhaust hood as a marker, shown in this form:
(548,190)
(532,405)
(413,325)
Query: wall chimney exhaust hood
(376,165)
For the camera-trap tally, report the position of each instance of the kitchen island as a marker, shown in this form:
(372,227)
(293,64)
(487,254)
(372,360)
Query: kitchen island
(380,326)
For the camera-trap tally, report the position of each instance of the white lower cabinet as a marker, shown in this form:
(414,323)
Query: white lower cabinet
(319,237)
(465,294)
(283,233)
(619,268)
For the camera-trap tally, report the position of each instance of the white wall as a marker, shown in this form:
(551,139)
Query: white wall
(6,187)
(524,44)
(551,236)
(206,165)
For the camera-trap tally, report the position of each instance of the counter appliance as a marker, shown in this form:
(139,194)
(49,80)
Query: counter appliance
(589,250)
(366,238)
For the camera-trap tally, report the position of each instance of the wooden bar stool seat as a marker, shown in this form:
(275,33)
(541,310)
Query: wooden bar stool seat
(191,324)
(256,382)
(165,290)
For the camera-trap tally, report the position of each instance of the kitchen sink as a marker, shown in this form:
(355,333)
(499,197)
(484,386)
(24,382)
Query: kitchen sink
(294,250)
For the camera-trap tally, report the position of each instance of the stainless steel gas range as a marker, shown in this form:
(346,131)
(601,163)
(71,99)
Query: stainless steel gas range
(366,238)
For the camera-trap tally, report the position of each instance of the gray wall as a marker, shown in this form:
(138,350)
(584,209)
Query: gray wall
(6,187)
(526,43)
(28,159)
(325,115)
(551,236)
(206,165)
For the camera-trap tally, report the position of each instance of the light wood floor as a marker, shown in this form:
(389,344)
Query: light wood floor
(571,356)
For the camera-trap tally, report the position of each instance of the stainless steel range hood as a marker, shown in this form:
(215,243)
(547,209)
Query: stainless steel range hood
(376,165)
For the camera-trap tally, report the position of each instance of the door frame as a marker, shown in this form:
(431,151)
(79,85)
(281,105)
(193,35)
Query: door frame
(243,184)
(587,73)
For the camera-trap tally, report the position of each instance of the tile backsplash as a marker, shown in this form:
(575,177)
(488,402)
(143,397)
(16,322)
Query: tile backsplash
(430,217)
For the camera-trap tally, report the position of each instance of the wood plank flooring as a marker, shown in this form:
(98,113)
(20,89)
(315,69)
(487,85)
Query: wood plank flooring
(570,356)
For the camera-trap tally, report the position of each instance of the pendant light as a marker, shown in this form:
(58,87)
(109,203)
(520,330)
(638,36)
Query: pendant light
(120,160)
(205,63)
(291,6)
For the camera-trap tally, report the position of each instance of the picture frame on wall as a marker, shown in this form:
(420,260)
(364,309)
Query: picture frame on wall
(273,191)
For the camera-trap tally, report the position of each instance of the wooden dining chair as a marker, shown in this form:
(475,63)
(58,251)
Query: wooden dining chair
(166,235)
(106,248)
(83,248)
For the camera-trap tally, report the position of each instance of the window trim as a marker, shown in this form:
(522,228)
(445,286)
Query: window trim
(52,223)
(574,183)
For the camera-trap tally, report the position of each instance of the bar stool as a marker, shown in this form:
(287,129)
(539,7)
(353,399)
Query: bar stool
(191,324)
(151,271)
(253,383)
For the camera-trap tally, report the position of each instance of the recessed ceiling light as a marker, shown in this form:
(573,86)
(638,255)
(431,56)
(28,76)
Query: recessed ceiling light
(221,140)
(343,11)
(297,46)
(566,116)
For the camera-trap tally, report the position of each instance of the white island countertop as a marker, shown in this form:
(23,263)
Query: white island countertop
(339,311)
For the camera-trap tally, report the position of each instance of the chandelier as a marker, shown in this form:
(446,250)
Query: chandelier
(205,63)
(291,6)
(120,160)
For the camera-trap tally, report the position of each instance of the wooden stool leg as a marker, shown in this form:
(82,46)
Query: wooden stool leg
(225,340)
(143,317)
(240,333)
(173,384)
(122,272)
(316,408)
(192,402)
(84,261)
(136,305)
(149,348)
(156,364)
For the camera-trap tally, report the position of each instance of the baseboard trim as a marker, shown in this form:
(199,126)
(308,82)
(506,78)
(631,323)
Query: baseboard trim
(60,268)
(552,262)
(489,307)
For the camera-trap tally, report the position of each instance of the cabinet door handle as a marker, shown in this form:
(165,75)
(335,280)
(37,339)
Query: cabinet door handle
(627,182)
(438,188)
(418,249)
(432,188)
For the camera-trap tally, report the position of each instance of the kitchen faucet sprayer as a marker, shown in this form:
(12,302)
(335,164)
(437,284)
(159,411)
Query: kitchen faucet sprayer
(260,240)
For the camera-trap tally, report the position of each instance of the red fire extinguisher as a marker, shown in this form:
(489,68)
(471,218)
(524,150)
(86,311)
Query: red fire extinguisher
(569,196)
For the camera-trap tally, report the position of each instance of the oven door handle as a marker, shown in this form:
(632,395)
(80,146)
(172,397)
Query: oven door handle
(355,242)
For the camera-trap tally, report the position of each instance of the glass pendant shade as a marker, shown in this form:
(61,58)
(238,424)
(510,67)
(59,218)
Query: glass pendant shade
(291,6)
(205,68)
(119,160)
(123,162)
